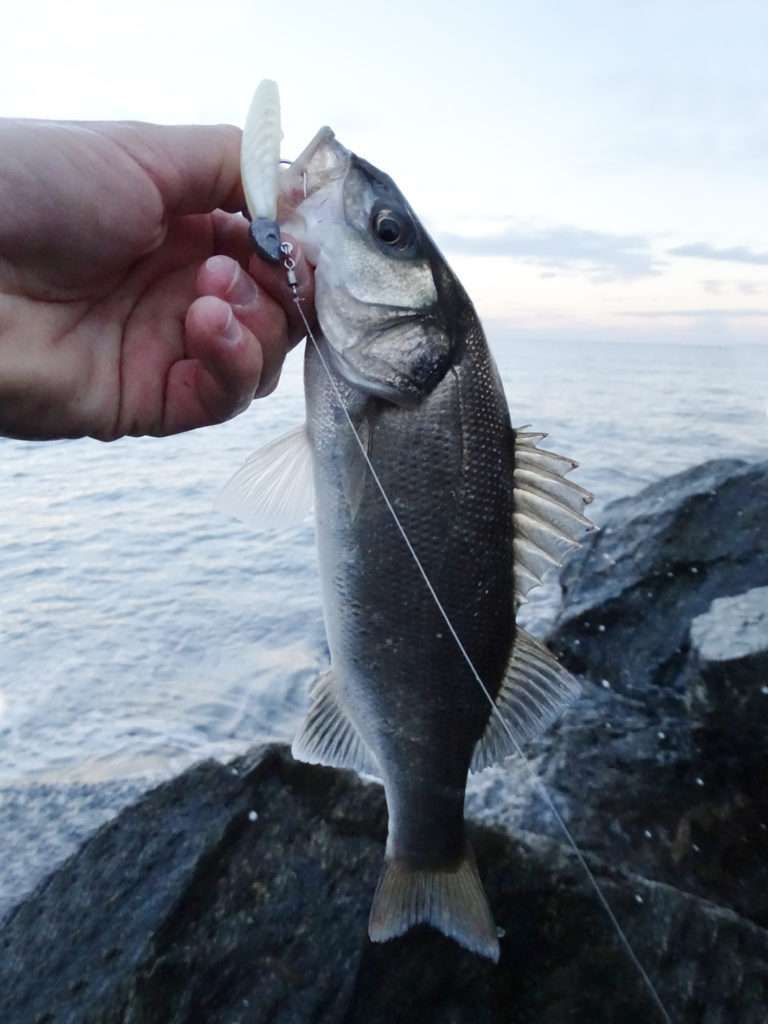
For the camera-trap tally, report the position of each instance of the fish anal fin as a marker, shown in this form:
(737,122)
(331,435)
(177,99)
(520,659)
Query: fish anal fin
(275,487)
(454,902)
(534,692)
(327,735)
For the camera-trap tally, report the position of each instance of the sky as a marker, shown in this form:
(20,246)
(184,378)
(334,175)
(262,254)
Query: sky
(592,170)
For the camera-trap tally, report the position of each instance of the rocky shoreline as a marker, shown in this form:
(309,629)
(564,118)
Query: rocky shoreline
(240,893)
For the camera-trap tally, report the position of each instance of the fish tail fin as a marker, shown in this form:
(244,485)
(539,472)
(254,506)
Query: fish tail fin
(452,901)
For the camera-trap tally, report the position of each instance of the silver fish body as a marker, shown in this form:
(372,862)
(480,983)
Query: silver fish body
(446,465)
(485,510)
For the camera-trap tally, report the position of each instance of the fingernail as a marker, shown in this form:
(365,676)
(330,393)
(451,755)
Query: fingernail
(213,263)
(231,329)
(242,289)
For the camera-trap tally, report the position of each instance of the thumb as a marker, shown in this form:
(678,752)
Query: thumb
(196,168)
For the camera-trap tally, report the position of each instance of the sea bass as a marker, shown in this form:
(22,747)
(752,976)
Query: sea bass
(486,511)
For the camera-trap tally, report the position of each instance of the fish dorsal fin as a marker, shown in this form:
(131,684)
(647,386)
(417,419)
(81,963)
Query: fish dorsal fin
(548,519)
(534,691)
(328,736)
(275,487)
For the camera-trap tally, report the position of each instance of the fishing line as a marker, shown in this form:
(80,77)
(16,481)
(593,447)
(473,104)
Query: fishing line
(289,265)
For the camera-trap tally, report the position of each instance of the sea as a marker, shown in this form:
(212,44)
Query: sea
(142,630)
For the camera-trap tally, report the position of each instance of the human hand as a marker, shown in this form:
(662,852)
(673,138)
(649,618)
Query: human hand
(130,302)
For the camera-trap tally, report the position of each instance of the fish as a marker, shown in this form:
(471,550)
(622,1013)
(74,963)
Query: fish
(401,357)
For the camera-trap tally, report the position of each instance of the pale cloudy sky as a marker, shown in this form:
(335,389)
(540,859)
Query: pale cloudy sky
(593,169)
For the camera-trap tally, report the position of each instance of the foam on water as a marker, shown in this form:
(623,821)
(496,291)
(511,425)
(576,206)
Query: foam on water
(141,630)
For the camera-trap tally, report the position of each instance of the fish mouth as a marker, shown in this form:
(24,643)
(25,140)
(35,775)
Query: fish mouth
(321,163)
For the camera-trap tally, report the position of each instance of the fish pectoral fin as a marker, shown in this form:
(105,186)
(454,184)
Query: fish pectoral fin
(275,486)
(454,902)
(547,516)
(535,690)
(328,736)
(354,470)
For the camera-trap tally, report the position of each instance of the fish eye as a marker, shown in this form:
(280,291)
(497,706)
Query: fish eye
(387,227)
(393,229)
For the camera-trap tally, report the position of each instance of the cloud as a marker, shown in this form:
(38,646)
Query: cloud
(717,286)
(736,254)
(604,257)
(701,314)
(749,287)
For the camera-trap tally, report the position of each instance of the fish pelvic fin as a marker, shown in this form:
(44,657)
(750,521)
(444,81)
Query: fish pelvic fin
(454,902)
(535,690)
(328,736)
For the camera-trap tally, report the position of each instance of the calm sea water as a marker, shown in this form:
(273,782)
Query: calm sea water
(142,630)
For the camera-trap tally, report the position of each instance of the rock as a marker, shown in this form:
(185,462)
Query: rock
(48,823)
(733,628)
(241,893)
(636,787)
(727,673)
(660,559)
(663,766)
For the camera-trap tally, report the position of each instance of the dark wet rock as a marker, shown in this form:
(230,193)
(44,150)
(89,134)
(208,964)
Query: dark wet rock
(636,787)
(726,677)
(663,764)
(660,559)
(48,822)
(241,894)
